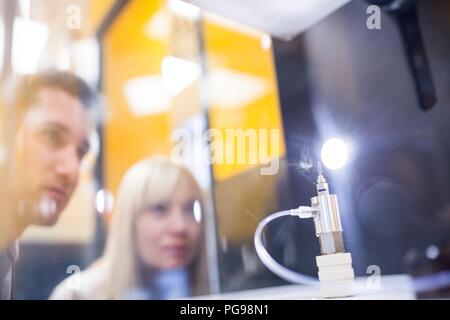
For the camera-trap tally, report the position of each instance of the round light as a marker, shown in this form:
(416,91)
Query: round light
(334,154)
(432,252)
(197,211)
(104,201)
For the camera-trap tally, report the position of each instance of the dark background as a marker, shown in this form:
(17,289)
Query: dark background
(341,79)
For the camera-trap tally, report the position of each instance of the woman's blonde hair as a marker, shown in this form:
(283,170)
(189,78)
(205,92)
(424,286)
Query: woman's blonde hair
(148,182)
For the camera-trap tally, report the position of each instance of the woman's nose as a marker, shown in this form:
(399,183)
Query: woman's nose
(179,223)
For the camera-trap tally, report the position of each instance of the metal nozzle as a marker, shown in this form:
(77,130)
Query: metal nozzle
(331,242)
(325,213)
(327,222)
(319,169)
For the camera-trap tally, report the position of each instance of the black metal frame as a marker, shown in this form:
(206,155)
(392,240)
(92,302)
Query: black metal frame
(405,15)
(116,9)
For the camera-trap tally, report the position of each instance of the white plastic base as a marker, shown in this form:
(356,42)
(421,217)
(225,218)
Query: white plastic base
(336,275)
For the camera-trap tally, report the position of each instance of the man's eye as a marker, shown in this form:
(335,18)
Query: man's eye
(82,151)
(53,137)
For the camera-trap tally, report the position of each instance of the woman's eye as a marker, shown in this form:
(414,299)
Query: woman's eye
(159,209)
(189,209)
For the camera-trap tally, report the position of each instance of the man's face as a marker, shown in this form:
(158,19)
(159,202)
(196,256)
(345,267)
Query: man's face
(51,144)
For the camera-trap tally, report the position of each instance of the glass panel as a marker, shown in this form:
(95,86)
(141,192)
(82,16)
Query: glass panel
(199,127)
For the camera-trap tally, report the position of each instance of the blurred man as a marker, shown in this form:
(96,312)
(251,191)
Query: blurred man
(52,137)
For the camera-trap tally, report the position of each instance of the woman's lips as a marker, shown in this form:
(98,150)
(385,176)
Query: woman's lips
(176,251)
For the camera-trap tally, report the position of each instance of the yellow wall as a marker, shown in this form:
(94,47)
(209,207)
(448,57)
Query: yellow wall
(130,52)
(237,62)
(228,47)
(96,13)
(243,196)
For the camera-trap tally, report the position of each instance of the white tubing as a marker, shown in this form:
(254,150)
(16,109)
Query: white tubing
(269,262)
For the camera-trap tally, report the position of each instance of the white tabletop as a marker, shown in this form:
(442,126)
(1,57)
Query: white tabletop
(396,287)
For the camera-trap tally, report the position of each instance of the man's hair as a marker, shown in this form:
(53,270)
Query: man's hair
(29,86)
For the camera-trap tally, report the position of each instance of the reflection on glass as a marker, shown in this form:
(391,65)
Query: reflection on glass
(154,249)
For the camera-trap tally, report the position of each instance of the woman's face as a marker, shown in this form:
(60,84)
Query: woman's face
(168,233)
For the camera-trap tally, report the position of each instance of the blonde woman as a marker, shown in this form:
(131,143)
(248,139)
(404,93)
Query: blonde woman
(154,243)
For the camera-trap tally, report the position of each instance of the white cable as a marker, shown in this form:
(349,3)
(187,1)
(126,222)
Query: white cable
(269,262)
